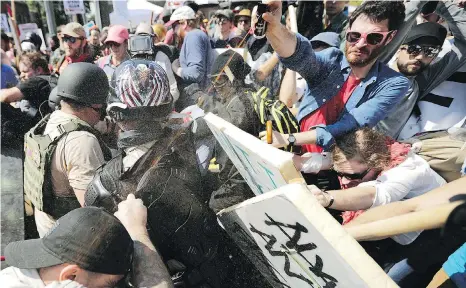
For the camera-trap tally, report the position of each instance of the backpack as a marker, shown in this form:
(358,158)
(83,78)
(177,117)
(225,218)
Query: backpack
(52,79)
(283,120)
(444,150)
(53,82)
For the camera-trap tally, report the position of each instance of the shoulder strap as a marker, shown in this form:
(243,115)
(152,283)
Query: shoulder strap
(76,125)
(231,101)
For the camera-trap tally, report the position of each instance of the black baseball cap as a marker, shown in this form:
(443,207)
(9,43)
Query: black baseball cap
(431,33)
(238,67)
(89,237)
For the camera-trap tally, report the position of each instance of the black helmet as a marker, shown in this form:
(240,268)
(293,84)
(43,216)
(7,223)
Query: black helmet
(34,39)
(141,91)
(84,83)
(54,99)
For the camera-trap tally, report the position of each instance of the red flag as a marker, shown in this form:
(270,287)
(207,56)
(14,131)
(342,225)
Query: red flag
(8,9)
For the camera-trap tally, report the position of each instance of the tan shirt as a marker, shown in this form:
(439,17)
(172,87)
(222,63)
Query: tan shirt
(73,166)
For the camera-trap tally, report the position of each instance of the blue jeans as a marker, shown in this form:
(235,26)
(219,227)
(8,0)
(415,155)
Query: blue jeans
(400,270)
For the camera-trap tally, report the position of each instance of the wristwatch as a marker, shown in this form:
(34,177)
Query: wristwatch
(331,200)
(291,140)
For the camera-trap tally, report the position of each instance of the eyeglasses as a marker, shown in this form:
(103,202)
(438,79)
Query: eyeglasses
(354,176)
(429,51)
(70,39)
(373,38)
(244,20)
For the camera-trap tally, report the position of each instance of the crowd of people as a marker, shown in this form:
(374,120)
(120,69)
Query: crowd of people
(125,177)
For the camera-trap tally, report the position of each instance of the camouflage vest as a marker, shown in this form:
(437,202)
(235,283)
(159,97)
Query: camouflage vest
(39,149)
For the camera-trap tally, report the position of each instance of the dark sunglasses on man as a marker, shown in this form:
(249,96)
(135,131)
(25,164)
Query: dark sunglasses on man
(71,39)
(354,176)
(245,20)
(415,49)
(373,38)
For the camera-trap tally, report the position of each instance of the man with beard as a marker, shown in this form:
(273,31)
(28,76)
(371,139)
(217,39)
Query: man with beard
(345,91)
(414,60)
(76,49)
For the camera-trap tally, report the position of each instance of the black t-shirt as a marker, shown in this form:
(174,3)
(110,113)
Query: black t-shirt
(36,90)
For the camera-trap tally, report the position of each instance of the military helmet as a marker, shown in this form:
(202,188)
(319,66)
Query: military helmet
(83,82)
(141,91)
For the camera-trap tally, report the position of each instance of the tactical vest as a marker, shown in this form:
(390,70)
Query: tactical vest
(180,224)
(39,149)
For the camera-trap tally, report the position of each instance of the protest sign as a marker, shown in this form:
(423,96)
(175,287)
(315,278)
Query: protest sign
(88,26)
(5,26)
(24,29)
(264,167)
(295,242)
(73,7)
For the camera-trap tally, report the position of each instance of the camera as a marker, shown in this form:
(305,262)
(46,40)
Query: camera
(141,45)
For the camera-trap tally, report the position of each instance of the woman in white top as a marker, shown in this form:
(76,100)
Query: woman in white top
(373,171)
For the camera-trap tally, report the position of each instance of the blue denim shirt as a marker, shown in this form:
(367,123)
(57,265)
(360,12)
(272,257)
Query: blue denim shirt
(326,72)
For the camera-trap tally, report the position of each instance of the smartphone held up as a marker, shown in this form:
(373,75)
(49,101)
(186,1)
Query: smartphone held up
(261,25)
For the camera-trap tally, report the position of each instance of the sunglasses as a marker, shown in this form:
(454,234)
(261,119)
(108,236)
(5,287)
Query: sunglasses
(429,51)
(354,176)
(244,20)
(70,39)
(113,44)
(373,38)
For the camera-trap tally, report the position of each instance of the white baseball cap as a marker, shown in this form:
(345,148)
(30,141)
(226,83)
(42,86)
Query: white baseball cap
(183,13)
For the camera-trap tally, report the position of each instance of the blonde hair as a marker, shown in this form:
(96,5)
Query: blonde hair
(160,31)
(364,145)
